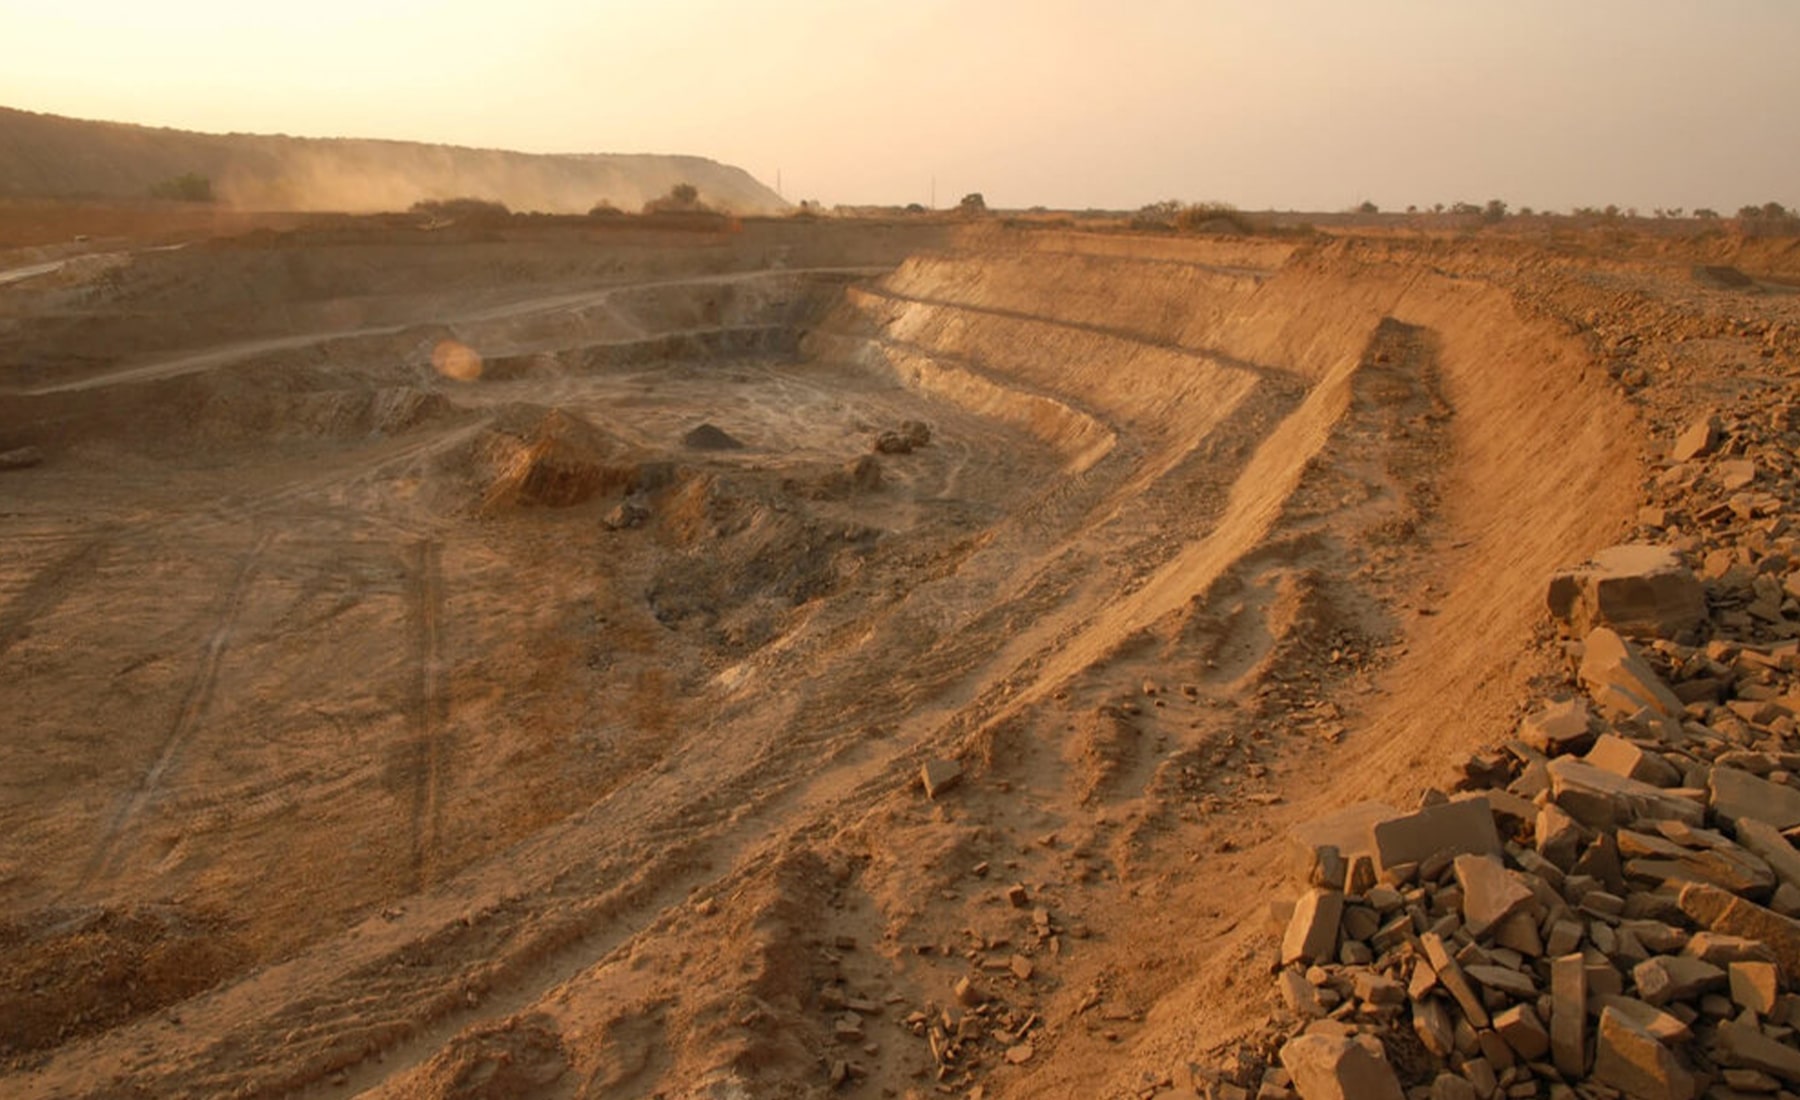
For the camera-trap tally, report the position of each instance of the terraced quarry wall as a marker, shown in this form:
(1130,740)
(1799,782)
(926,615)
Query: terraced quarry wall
(593,800)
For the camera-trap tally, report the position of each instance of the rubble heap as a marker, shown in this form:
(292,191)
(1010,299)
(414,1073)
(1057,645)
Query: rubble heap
(1607,905)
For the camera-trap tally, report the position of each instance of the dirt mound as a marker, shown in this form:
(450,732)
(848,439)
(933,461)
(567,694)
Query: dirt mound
(512,1058)
(708,437)
(749,555)
(550,458)
(67,974)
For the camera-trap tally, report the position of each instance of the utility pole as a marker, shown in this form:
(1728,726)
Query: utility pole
(934,192)
(778,190)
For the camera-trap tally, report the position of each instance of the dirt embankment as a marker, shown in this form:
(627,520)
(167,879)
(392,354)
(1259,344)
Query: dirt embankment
(1190,540)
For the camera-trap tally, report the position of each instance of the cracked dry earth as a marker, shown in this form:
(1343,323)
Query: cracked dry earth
(503,665)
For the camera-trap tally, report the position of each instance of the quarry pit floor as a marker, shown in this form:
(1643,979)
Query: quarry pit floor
(502,664)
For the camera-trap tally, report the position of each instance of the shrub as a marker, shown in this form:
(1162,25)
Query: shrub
(462,209)
(605,209)
(189,187)
(683,198)
(1212,217)
(1768,211)
(972,205)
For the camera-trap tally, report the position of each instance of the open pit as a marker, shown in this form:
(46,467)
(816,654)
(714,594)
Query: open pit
(502,665)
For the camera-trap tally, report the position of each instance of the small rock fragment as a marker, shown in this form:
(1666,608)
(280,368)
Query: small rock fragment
(939,776)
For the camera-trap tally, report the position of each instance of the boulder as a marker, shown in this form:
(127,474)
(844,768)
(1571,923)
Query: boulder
(1465,826)
(1621,757)
(1313,930)
(1333,1067)
(1490,893)
(1640,590)
(1620,681)
(1558,728)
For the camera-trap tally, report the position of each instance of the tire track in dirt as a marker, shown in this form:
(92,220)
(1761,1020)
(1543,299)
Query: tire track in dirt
(48,588)
(188,716)
(428,707)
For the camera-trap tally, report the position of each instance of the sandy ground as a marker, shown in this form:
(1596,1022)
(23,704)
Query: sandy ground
(407,700)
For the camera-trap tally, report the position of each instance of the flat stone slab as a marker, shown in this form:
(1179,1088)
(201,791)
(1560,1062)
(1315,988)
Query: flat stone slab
(1737,795)
(1461,827)
(1601,799)
(1720,911)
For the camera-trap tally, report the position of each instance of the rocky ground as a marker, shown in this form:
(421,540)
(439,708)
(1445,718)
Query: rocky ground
(838,659)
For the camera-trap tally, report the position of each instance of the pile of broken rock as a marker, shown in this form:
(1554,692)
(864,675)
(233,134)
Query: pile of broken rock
(1607,907)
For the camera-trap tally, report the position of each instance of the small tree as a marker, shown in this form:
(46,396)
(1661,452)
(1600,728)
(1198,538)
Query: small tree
(1705,213)
(972,204)
(1367,206)
(1494,211)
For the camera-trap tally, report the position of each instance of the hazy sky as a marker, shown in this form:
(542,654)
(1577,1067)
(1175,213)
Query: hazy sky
(1307,104)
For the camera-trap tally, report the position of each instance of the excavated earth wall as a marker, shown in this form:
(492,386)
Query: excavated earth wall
(517,747)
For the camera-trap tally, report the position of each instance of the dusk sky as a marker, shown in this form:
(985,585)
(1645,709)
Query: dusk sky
(1306,104)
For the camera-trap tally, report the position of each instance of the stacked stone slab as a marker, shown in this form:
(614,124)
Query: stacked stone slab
(1723,499)
(1608,906)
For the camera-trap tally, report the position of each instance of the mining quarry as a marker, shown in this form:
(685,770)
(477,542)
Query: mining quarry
(804,657)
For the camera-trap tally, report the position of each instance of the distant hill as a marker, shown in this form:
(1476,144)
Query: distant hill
(48,156)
